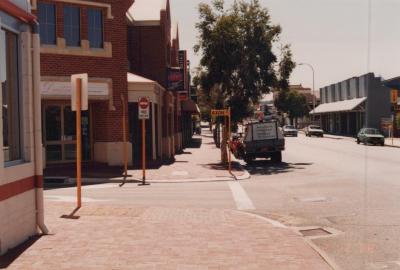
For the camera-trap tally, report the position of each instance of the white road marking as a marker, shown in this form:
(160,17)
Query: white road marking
(242,201)
(70,199)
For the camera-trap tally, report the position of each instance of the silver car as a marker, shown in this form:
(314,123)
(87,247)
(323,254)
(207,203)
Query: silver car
(289,130)
(314,130)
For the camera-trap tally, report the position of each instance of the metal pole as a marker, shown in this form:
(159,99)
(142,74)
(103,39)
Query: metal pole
(78,142)
(313,87)
(144,151)
(124,136)
(229,141)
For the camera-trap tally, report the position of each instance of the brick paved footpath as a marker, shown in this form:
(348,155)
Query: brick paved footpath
(122,237)
(199,162)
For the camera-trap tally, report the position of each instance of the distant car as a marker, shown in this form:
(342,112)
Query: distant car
(289,130)
(313,130)
(370,136)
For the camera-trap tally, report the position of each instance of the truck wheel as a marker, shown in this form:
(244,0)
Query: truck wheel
(248,159)
(276,157)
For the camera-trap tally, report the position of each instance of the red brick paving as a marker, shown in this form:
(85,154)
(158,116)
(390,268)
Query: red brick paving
(123,237)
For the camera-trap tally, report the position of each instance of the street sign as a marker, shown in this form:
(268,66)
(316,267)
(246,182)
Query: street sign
(219,113)
(84,91)
(144,108)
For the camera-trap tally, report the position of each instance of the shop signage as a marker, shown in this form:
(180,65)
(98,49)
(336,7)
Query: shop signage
(175,79)
(182,59)
(63,89)
(394,96)
(144,108)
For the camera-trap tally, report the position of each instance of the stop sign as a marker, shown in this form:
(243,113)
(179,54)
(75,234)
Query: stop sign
(143,103)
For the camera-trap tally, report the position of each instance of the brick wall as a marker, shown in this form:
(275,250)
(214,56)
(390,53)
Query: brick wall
(106,122)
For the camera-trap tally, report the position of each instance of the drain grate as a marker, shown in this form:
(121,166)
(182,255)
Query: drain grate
(314,232)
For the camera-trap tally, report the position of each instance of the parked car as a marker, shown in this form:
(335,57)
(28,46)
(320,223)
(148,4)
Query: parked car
(370,136)
(289,130)
(313,130)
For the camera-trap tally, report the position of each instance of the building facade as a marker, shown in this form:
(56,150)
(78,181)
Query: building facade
(83,37)
(394,126)
(350,105)
(21,180)
(153,47)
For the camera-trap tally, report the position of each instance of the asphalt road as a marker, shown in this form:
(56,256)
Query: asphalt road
(351,190)
(335,183)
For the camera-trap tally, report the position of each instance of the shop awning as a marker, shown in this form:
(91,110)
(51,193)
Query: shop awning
(339,106)
(190,107)
(393,83)
(17,12)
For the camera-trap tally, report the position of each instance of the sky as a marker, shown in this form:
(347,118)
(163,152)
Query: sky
(331,35)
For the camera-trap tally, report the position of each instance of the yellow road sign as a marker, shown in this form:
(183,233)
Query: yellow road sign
(219,112)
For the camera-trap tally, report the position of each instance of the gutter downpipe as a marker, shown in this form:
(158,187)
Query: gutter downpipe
(37,129)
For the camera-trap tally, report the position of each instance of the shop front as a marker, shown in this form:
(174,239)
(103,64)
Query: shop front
(58,120)
(141,87)
(394,85)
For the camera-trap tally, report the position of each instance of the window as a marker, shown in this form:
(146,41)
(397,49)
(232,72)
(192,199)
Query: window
(9,75)
(47,20)
(95,28)
(72,26)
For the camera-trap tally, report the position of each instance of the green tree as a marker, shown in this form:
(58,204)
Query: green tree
(237,58)
(292,103)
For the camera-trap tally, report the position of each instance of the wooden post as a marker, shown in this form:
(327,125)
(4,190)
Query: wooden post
(144,151)
(125,150)
(78,142)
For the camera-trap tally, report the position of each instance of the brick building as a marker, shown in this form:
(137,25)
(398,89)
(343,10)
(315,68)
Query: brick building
(83,37)
(21,181)
(152,49)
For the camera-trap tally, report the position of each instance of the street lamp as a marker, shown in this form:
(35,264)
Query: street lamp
(313,81)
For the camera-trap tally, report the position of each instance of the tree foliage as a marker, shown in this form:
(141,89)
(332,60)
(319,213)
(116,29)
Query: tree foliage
(292,103)
(237,63)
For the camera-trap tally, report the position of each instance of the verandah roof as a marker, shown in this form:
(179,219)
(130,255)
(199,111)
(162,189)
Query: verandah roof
(339,106)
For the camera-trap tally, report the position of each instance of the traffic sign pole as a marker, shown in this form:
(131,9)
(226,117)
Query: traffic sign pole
(144,113)
(143,151)
(78,142)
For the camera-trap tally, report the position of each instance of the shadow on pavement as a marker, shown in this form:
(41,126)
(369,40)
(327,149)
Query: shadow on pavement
(266,167)
(222,166)
(7,259)
(195,143)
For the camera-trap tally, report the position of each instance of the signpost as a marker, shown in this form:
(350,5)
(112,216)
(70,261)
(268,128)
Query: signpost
(79,102)
(226,113)
(144,113)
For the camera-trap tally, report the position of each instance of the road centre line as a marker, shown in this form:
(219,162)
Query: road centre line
(242,200)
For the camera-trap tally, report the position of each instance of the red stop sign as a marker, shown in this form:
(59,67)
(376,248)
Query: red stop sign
(143,103)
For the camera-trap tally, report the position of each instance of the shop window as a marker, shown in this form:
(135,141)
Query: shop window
(72,26)
(95,28)
(9,76)
(47,20)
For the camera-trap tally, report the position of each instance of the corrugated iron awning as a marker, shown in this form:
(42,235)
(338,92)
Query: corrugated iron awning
(339,106)
(17,12)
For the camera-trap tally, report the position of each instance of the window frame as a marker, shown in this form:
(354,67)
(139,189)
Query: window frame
(102,26)
(21,127)
(66,26)
(41,23)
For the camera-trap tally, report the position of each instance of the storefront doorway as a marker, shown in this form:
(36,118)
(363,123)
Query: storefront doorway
(59,132)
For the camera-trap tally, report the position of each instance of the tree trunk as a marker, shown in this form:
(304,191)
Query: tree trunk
(224,152)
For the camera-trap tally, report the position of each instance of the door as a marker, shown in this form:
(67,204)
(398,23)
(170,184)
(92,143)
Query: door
(60,134)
